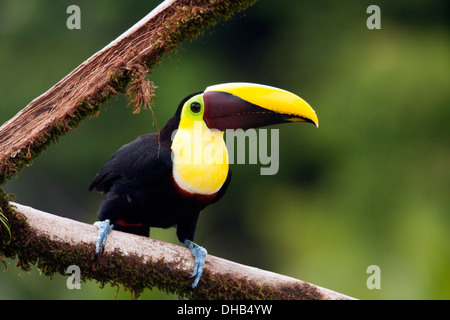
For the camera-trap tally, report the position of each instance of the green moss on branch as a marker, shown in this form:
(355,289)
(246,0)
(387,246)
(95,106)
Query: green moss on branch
(184,20)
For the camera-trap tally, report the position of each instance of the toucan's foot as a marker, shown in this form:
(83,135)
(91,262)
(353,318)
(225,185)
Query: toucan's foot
(199,254)
(104,228)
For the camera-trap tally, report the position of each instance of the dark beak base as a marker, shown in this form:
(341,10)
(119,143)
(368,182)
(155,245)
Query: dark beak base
(226,111)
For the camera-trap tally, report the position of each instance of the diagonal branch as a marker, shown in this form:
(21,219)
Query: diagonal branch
(53,243)
(139,262)
(120,66)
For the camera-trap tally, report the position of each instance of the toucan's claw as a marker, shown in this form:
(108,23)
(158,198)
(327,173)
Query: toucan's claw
(199,254)
(104,228)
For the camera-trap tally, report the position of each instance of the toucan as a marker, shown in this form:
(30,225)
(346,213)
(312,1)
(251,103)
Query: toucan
(165,179)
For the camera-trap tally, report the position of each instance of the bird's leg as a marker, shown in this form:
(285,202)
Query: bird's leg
(199,254)
(104,228)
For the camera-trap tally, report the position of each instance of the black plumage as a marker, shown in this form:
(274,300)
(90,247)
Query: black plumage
(140,191)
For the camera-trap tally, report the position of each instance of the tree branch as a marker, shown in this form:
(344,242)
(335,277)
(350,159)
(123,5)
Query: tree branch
(119,67)
(53,243)
(139,262)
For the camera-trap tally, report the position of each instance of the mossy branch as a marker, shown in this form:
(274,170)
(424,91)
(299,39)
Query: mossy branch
(120,67)
(53,243)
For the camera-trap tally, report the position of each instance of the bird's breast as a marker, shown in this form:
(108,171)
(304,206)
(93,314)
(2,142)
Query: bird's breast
(200,159)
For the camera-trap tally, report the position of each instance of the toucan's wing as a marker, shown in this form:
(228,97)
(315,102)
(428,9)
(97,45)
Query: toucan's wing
(135,164)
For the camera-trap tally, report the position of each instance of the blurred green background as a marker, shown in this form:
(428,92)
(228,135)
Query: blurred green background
(369,187)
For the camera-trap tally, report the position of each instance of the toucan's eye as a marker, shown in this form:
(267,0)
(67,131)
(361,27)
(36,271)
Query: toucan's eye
(196,107)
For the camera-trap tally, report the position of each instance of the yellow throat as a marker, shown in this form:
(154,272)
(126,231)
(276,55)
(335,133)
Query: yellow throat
(200,157)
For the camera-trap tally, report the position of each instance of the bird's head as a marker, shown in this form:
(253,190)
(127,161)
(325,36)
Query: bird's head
(199,151)
(246,105)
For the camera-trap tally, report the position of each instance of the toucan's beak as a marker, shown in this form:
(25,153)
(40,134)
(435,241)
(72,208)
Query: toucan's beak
(248,105)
